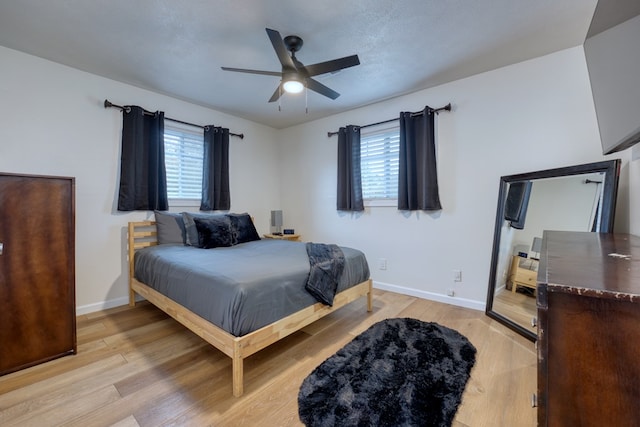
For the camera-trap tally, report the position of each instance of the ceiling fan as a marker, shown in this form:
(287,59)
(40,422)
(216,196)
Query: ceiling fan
(294,75)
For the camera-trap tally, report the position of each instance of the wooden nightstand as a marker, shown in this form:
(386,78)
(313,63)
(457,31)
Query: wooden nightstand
(292,237)
(524,272)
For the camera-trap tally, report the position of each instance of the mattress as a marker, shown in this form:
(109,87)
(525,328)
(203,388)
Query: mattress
(243,287)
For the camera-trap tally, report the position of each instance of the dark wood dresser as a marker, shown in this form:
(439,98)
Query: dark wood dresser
(37,270)
(589,330)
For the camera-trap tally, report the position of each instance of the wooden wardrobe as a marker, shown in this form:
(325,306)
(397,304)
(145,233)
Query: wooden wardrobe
(37,270)
(589,330)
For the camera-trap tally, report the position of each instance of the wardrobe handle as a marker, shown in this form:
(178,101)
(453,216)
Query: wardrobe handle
(1,248)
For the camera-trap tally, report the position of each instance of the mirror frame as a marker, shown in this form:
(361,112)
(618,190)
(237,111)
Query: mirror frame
(611,169)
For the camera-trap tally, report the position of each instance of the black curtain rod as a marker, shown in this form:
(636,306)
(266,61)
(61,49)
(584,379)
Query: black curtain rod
(108,104)
(432,110)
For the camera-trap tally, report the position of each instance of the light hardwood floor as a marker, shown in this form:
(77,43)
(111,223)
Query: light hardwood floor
(137,367)
(516,306)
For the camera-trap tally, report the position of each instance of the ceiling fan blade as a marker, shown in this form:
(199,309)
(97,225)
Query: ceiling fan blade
(244,70)
(276,94)
(331,66)
(321,89)
(280,48)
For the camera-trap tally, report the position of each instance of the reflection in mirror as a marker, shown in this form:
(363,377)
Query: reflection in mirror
(576,198)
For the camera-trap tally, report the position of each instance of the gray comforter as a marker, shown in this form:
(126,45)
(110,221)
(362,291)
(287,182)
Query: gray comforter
(240,288)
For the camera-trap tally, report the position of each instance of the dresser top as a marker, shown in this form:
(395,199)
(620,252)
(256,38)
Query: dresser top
(595,264)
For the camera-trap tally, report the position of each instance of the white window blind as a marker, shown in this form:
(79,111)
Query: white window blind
(183,152)
(379,157)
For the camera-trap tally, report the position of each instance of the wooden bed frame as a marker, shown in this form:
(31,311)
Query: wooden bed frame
(143,234)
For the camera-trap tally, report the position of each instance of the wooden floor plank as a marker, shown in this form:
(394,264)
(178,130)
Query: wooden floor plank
(130,421)
(23,399)
(143,378)
(60,414)
(136,367)
(175,383)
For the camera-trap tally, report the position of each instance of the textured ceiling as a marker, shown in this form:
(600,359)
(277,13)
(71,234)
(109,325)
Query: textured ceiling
(177,47)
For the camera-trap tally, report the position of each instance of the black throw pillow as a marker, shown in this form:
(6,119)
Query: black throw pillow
(214,232)
(243,228)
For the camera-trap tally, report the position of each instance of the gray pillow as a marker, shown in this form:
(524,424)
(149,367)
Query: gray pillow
(191,232)
(170,228)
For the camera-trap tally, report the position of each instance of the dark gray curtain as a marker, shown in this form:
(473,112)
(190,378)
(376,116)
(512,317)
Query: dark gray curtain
(349,178)
(517,202)
(215,174)
(143,179)
(417,177)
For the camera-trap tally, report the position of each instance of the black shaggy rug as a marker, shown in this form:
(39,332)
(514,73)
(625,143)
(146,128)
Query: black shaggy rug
(399,372)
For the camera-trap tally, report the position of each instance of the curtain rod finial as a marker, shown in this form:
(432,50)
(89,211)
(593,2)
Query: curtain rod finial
(107,104)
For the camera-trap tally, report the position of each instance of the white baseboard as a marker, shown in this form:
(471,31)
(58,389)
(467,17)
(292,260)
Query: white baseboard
(104,305)
(460,302)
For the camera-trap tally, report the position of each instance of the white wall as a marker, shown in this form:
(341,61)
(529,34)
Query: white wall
(534,115)
(530,116)
(572,201)
(52,122)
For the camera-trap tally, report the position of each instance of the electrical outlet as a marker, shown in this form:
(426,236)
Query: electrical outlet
(382,264)
(457,275)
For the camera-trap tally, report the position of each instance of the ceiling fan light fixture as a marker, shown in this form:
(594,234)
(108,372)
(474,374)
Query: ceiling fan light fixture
(295,77)
(293,86)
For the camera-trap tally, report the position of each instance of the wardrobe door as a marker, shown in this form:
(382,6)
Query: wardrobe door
(37,270)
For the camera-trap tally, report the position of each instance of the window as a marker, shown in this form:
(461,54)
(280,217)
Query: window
(379,152)
(183,152)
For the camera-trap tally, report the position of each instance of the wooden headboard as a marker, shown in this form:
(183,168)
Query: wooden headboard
(142,234)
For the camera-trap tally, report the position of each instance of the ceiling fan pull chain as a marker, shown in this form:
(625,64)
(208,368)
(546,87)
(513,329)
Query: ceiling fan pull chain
(280,97)
(306,99)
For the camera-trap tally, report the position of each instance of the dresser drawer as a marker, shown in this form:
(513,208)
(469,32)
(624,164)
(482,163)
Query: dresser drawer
(526,276)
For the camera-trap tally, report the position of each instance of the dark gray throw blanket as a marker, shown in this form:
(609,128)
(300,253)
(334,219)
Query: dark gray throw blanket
(327,264)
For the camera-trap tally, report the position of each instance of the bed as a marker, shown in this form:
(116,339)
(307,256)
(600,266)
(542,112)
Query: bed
(241,319)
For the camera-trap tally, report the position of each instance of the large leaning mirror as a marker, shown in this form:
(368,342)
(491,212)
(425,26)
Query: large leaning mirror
(575,198)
